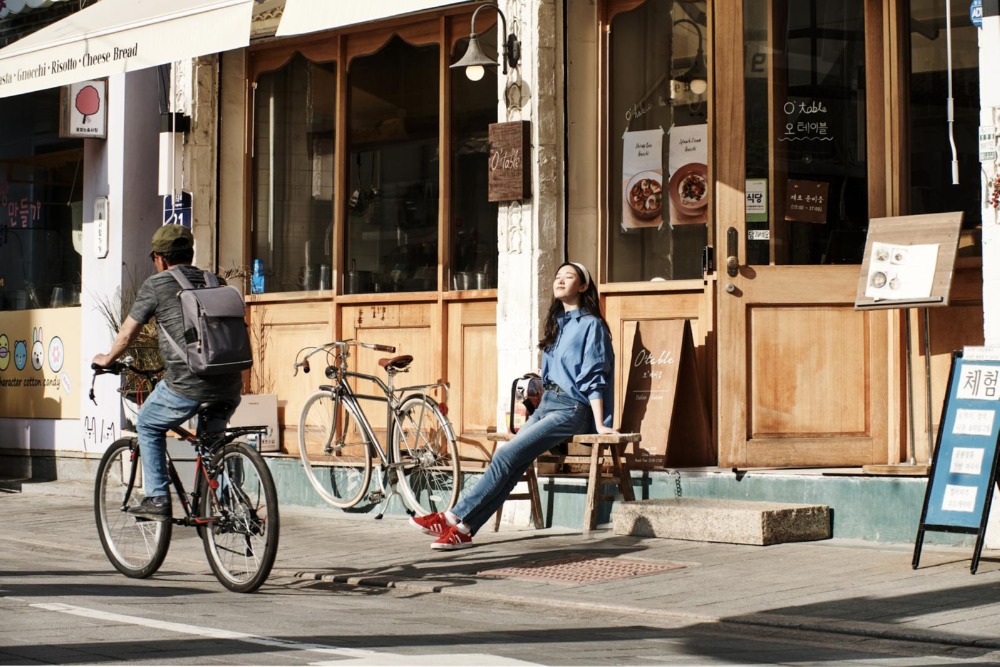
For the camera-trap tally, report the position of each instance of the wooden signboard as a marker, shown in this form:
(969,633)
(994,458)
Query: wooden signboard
(663,398)
(510,174)
(963,472)
(898,249)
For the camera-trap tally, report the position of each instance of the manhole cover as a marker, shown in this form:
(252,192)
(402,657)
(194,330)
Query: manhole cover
(581,570)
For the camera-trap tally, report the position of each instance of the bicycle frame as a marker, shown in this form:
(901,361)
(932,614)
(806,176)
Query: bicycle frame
(392,397)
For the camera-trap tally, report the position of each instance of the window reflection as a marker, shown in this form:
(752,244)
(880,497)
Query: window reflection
(294,116)
(41,206)
(473,216)
(658,143)
(391,239)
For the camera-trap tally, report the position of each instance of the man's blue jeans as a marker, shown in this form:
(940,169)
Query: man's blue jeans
(556,419)
(161,411)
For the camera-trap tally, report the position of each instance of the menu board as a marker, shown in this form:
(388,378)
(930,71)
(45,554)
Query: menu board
(963,472)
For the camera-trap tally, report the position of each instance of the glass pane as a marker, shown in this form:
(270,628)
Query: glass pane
(808,86)
(392,214)
(473,217)
(658,143)
(292,234)
(41,206)
(931,189)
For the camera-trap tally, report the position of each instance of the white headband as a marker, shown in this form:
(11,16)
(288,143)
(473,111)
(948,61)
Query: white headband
(584,271)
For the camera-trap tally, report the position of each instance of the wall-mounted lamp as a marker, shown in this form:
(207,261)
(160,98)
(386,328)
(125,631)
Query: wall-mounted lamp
(696,77)
(475,59)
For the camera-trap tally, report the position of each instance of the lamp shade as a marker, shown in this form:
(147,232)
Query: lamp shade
(475,56)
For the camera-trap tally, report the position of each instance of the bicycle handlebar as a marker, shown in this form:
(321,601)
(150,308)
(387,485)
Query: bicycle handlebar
(117,368)
(343,344)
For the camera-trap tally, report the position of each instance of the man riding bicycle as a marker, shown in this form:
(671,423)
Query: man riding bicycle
(177,399)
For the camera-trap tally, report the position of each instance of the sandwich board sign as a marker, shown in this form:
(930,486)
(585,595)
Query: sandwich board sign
(963,471)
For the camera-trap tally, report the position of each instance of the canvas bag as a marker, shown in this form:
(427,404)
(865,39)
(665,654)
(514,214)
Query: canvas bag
(216,340)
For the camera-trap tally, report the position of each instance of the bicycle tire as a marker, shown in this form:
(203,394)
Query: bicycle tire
(136,547)
(335,452)
(240,499)
(426,450)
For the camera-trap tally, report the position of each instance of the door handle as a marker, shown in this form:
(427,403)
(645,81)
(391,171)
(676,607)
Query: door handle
(732,252)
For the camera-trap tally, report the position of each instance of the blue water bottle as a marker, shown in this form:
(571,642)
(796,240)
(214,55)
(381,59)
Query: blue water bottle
(257,278)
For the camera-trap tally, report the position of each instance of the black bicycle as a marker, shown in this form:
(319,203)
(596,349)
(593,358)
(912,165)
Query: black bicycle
(234,505)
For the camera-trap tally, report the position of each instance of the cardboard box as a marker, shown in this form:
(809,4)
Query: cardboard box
(259,410)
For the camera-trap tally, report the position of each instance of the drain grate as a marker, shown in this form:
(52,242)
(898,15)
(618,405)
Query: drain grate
(581,570)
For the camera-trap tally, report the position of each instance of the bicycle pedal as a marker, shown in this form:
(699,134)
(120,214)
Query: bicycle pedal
(376,496)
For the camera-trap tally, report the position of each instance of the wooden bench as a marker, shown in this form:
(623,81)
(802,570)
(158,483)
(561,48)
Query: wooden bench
(609,447)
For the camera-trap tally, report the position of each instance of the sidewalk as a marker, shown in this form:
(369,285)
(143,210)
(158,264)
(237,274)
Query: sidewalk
(848,587)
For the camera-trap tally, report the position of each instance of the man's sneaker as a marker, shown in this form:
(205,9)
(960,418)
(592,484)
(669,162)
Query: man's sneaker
(453,539)
(431,524)
(155,508)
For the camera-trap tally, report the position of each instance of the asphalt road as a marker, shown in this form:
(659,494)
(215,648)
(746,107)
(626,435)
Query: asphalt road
(63,604)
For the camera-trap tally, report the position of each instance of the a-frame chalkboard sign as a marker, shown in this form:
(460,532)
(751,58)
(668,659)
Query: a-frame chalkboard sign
(963,472)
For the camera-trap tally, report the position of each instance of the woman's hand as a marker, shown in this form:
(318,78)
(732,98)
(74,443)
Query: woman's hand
(602,429)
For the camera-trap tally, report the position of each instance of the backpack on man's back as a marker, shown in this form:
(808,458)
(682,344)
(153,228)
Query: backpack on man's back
(216,340)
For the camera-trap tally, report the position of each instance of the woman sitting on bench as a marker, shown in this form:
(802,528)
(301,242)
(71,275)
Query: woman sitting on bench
(578,376)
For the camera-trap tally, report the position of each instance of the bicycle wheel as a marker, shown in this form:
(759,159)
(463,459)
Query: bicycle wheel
(136,547)
(335,453)
(424,445)
(239,498)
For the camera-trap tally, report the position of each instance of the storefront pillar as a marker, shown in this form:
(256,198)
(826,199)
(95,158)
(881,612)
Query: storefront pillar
(530,234)
(989,91)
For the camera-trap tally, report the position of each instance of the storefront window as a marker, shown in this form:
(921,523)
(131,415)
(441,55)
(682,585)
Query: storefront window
(806,143)
(391,242)
(931,188)
(658,142)
(473,216)
(294,119)
(41,209)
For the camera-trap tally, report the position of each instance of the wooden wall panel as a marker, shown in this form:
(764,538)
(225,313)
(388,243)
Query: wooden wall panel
(285,328)
(809,372)
(472,364)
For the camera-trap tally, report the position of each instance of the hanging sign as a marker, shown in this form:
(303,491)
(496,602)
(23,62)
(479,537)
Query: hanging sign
(83,110)
(642,179)
(963,472)
(509,175)
(807,201)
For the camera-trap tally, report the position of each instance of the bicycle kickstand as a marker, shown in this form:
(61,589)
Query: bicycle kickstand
(393,492)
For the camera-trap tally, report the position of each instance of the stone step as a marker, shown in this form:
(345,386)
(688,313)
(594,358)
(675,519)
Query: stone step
(729,521)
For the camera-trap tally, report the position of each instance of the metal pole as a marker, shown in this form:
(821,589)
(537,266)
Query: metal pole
(927,383)
(909,390)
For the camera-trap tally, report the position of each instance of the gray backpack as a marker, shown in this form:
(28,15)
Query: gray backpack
(216,340)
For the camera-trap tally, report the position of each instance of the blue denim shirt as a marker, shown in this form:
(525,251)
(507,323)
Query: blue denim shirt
(582,361)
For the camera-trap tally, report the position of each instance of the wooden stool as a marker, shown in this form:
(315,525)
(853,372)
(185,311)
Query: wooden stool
(610,446)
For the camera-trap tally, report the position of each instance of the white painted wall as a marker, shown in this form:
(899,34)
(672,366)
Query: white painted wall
(530,232)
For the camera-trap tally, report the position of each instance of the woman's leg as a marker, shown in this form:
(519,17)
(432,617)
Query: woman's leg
(558,419)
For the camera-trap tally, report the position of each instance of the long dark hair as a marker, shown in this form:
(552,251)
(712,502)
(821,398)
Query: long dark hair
(590,301)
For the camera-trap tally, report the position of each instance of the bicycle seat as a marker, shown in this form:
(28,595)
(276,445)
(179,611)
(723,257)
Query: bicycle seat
(220,408)
(396,363)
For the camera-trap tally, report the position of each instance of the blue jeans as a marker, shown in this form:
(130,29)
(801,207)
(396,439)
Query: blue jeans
(161,411)
(556,419)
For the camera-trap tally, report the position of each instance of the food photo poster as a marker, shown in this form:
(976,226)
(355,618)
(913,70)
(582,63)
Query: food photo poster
(642,179)
(687,186)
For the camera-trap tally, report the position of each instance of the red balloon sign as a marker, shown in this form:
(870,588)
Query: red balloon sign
(88,101)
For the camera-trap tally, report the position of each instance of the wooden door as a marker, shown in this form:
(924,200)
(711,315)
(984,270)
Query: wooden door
(803,378)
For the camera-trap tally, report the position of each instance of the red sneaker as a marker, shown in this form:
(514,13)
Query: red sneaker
(431,524)
(452,540)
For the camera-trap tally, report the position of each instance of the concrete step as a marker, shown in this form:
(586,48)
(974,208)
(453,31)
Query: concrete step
(729,521)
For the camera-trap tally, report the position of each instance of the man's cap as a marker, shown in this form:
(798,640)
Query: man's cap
(170,238)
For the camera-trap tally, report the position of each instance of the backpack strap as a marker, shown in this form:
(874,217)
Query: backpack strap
(179,276)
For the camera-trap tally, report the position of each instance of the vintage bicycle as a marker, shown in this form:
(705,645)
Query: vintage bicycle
(233,505)
(338,443)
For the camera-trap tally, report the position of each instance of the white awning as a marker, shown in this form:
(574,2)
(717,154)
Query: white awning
(115,36)
(301,16)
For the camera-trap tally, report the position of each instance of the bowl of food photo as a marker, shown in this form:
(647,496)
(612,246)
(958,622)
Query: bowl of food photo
(689,189)
(644,195)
